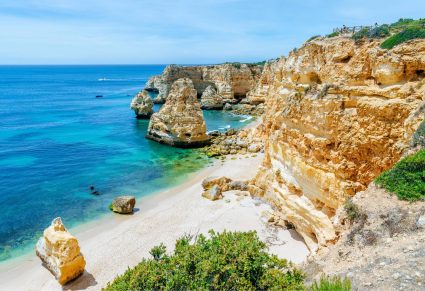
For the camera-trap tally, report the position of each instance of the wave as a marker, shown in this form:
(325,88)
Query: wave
(119,79)
(245,118)
(224,128)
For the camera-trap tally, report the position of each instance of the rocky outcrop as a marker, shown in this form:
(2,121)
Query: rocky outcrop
(142,105)
(215,186)
(259,94)
(221,182)
(232,142)
(380,245)
(213,193)
(60,252)
(211,100)
(152,84)
(179,122)
(337,114)
(123,204)
(231,80)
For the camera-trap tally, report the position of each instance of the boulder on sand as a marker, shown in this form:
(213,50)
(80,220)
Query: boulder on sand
(60,252)
(123,204)
(214,193)
(221,182)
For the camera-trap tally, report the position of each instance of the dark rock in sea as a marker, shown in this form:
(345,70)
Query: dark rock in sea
(99,96)
(213,133)
(123,204)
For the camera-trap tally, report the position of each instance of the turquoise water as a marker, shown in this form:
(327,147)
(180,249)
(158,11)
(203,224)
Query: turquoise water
(57,139)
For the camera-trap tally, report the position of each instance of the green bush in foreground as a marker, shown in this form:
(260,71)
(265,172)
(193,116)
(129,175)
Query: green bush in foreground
(226,261)
(407,178)
(405,35)
(331,284)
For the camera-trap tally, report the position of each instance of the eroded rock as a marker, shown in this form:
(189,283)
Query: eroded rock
(210,100)
(213,193)
(60,252)
(142,105)
(180,121)
(232,81)
(337,114)
(221,182)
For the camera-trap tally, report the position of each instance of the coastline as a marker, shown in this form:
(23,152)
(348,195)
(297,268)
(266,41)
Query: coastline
(110,246)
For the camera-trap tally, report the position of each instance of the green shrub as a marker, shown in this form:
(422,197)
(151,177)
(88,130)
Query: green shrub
(262,63)
(362,33)
(407,178)
(405,35)
(404,23)
(379,31)
(352,210)
(312,38)
(333,34)
(375,32)
(331,284)
(226,261)
(418,138)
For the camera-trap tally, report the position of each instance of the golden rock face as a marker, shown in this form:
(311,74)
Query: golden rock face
(60,252)
(230,80)
(180,121)
(338,113)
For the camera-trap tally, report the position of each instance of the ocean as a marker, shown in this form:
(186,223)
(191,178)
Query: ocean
(57,139)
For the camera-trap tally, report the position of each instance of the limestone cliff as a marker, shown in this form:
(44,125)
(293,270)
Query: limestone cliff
(230,80)
(180,121)
(338,113)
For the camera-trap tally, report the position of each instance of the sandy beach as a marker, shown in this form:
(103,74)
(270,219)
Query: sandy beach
(110,246)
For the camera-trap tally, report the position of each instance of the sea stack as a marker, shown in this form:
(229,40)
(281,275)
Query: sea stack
(210,100)
(180,122)
(60,252)
(142,105)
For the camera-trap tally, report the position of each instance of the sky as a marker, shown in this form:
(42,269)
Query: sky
(177,31)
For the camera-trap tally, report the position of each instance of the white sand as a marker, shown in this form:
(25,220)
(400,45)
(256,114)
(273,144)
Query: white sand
(111,245)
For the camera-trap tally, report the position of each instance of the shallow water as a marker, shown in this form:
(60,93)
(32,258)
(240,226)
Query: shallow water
(57,139)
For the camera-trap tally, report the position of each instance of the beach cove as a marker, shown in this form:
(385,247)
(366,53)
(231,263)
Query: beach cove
(113,244)
(67,140)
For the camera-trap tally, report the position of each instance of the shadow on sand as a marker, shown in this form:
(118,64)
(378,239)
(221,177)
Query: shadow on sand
(82,282)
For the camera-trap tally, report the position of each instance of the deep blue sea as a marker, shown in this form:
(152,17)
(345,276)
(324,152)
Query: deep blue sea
(57,139)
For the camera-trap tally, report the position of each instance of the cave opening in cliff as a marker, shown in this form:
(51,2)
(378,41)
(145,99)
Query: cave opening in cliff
(345,60)
(420,73)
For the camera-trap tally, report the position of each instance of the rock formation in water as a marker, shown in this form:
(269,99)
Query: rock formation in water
(211,100)
(123,204)
(142,105)
(233,81)
(180,121)
(60,252)
(338,113)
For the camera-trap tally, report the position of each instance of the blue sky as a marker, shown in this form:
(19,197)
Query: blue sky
(176,31)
